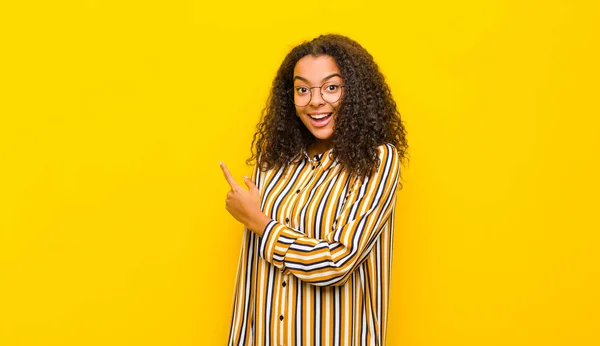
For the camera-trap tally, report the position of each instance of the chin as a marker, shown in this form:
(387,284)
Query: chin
(323,135)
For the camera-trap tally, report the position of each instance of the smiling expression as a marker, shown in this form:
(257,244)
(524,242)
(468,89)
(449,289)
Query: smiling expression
(318,115)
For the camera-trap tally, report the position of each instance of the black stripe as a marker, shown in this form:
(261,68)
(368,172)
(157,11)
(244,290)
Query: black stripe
(319,219)
(270,186)
(295,176)
(336,315)
(248,290)
(268,308)
(298,330)
(317,313)
(378,265)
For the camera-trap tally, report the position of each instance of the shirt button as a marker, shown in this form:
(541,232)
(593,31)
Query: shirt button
(297,191)
(281,318)
(313,168)
(287,220)
(283,284)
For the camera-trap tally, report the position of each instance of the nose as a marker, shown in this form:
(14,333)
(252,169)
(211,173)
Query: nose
(317,99)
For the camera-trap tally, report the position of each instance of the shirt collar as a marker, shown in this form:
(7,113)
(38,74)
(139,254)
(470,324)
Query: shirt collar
(326,158)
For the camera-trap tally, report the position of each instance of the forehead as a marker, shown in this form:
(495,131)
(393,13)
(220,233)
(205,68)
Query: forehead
(315,68)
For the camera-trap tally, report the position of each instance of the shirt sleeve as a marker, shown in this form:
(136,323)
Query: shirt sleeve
(330,261)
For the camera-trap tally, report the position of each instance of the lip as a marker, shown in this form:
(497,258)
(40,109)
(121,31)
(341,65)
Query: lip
(320,123)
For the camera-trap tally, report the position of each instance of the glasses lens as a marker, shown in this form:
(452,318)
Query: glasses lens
(331,92)
(302,96)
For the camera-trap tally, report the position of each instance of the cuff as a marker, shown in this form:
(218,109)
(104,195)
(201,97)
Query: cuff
(275,242)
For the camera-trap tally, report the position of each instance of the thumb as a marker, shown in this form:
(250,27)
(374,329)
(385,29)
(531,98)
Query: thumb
(250,184)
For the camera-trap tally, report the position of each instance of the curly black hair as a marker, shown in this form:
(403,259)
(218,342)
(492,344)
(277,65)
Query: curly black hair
(366,118)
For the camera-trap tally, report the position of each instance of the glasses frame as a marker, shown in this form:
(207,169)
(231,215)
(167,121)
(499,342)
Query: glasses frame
(321,91)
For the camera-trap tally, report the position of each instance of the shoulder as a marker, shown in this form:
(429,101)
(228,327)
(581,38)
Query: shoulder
(387,164)
(387,147)
(387,153)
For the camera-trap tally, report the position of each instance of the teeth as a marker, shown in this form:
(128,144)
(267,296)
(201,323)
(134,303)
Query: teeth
(319,116)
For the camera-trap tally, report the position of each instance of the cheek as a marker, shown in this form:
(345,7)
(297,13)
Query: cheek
(336,105)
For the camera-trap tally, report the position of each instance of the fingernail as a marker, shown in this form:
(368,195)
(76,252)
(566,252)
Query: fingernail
(246,177)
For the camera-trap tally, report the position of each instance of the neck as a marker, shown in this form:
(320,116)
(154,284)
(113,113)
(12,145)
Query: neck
(320,146)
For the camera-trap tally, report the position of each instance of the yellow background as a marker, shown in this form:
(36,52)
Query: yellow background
(114,116)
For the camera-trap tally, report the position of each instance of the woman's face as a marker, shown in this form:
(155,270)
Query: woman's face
(318,114)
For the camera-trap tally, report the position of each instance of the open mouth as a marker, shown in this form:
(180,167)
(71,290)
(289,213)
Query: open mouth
(320,119)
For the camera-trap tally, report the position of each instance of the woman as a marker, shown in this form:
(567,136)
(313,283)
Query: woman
(319,213)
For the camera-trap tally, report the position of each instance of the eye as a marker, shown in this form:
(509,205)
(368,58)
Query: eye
(301,90)
(332,87)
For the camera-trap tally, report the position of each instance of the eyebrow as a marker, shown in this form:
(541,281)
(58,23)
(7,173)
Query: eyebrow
(324,79)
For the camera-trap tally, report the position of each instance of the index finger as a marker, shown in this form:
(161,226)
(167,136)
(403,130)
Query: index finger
(228,176)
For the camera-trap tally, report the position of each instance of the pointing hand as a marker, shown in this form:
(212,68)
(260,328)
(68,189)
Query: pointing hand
(242,204)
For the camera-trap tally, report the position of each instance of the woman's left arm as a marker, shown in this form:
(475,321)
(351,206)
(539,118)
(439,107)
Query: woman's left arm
(330,261)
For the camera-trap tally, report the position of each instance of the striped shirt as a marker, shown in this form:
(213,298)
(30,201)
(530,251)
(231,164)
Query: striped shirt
(320,273)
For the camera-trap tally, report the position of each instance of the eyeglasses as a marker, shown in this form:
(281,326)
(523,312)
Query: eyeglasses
(330,92)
